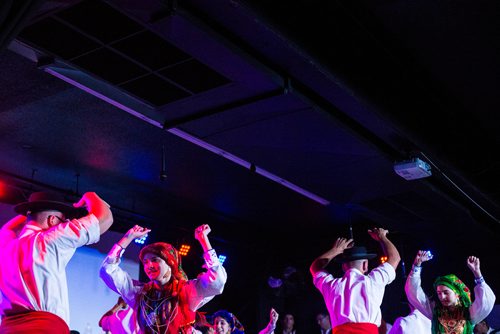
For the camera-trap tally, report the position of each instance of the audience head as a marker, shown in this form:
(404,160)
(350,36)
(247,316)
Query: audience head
(225,322)
(323,320)
(288,321)
(481,327)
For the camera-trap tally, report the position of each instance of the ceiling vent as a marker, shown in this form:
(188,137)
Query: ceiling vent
(94,37)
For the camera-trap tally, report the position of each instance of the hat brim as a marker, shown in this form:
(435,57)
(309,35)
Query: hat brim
(343,259)
(68,210)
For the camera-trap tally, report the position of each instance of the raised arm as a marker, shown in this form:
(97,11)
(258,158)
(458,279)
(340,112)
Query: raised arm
(210,283)
(271,326)
(484,298)
(414,292)
(380,235)
(11,228)
(116,278)
(323,260)
(134,233)
(99,208)
(201,234)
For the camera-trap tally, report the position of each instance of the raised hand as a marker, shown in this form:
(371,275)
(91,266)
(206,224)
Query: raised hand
(342,244)
(137,232)
(201,232)
(88,200)
(422,256)
(273,317)
(474,265)
(377,233)
(98,207)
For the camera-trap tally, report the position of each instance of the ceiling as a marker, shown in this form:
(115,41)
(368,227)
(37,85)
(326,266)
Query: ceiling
(278,124)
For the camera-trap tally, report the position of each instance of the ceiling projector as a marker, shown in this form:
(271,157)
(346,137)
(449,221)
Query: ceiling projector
(412,169)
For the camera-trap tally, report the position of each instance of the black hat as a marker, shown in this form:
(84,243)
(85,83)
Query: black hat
(354,253)
(41,201)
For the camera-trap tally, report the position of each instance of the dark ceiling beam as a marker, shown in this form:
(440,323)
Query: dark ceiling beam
(172,123)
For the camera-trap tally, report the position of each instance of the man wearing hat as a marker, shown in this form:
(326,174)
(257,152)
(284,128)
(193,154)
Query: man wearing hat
(354,299)
(35,248)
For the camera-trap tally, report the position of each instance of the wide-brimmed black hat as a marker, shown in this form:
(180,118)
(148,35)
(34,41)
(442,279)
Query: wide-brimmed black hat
(354,253)
(43,200)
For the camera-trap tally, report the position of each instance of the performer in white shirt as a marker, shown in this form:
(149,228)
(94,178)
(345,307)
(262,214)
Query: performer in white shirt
(35,248)
(413,323)
(354,299)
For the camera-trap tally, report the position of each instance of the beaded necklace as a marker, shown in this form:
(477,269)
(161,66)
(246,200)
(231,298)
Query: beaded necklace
(157,312)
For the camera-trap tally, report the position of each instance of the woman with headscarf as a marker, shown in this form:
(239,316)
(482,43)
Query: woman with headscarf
(167,304)
(454,312)
(225,322)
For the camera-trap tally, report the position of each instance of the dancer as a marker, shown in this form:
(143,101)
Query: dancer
(225,322)
(413,323)
(36,247)
(454,312)
(120,319)
(167,304)
(354,299)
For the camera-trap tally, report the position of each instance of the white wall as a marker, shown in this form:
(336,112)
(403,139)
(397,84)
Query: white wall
(89,297)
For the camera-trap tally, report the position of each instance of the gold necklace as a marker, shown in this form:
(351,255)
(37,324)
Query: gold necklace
(452,321)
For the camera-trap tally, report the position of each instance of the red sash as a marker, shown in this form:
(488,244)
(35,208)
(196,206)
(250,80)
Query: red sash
(356,328)
(39,322)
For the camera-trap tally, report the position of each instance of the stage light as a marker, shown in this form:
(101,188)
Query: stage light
(222,258)
(141,240)
(383,259)
(184,250)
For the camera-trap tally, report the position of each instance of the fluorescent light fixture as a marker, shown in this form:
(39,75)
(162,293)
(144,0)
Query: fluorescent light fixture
(190,138)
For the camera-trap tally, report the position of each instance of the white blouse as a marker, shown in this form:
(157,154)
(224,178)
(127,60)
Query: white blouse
(484,298)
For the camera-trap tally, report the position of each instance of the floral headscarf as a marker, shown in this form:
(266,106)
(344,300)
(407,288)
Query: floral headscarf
(234,323)
(169,254)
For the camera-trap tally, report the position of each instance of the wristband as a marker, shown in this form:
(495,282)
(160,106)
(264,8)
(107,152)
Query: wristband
(479,280)
(416,269)
(116,252)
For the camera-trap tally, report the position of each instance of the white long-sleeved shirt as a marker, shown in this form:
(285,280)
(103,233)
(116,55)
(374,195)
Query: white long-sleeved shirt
(122,321)
(414,323)
(484,298)
(355,297)
(33,270)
